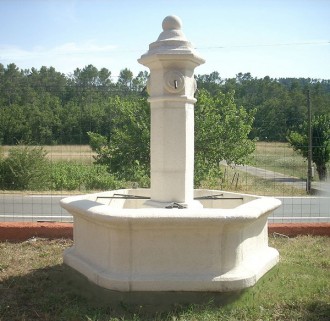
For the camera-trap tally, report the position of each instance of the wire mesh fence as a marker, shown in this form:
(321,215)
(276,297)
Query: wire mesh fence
(54,114)
(275,170)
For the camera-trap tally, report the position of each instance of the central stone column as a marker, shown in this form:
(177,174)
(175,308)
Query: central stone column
(171,86)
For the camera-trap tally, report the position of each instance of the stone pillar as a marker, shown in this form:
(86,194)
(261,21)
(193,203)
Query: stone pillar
(171,86)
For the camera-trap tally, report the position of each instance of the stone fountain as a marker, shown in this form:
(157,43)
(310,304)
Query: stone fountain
(171,237)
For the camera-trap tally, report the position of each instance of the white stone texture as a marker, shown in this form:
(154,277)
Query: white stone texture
(134,247)
(171,60)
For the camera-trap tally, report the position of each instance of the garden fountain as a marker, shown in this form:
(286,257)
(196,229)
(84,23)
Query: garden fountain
(171,237)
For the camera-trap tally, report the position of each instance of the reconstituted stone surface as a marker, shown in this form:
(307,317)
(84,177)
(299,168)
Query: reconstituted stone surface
(15,232)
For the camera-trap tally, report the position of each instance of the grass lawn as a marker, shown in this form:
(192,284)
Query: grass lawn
(34,285)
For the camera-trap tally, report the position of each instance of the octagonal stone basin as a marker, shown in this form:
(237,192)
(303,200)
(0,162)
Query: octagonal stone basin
(128,244)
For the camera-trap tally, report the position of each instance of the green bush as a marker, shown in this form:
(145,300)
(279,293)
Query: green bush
(66,176)
(98,178)
(74,176)
(1,167)
(25,168)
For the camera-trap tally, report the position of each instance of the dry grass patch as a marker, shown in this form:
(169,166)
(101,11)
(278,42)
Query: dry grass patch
(281,158)
(80,153)
(239,181)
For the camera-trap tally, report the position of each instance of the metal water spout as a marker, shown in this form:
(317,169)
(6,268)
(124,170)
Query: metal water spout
(171,86)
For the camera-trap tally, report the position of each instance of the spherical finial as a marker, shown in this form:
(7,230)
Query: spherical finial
(172,22)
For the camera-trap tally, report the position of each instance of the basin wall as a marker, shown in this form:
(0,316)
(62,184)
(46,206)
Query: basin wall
(159,249)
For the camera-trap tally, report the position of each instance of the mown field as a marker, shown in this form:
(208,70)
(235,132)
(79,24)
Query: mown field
(266,153)
(281,158)
(80,153)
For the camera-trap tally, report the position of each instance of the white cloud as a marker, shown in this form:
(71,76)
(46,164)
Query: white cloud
(65,57)
(10,53)
(73,48)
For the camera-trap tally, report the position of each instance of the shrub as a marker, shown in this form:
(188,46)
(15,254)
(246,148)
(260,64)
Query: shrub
(66,176)
(1,167)
(74,176)
(98,178)
(25,168)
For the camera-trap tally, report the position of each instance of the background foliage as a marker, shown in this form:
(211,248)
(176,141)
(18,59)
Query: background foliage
(46,107)
(28,168)
(320,127)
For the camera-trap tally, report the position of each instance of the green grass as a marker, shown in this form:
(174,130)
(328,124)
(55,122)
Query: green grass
(35,285)
(281,158)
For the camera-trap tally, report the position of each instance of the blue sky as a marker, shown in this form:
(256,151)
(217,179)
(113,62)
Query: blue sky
(278,38)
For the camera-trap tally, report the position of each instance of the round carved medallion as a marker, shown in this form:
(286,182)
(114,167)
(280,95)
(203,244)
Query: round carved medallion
(174,81)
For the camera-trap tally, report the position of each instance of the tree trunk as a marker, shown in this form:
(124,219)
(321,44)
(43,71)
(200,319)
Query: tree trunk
(322,171)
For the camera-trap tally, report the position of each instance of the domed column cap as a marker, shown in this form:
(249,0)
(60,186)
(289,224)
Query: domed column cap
(172,29)
(171,41)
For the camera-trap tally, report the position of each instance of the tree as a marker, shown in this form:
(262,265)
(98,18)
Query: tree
(47,80)
(86,77)
(320,143)
(46,106)
(211,82)
(127,150)
(11,81)
(104,78)
(221,133)
(125,79)
(139,83)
